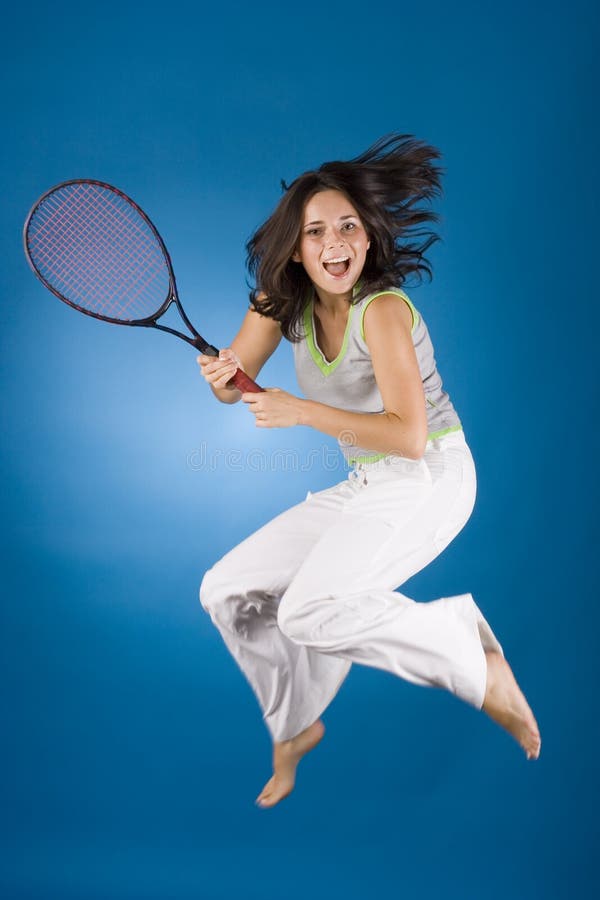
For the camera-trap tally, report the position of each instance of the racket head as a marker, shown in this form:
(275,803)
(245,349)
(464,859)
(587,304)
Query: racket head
(94,248)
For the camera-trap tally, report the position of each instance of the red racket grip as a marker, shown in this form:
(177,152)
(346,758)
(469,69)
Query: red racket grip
(243,382)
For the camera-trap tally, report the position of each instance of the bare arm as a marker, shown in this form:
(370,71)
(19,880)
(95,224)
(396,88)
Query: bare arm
(402,427)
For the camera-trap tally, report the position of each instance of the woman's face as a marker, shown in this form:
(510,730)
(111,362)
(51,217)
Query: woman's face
(333,244)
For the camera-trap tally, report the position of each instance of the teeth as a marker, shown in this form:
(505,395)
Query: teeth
(339,259)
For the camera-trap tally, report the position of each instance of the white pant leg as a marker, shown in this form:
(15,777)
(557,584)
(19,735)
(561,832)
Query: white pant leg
(376,534)
(241,592)
(342,599)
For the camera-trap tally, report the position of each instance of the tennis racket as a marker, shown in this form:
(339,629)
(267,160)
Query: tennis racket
(96,250)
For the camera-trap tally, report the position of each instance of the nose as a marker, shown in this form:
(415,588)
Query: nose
(333,240)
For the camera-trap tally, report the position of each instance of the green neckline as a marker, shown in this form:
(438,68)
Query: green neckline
(326,367)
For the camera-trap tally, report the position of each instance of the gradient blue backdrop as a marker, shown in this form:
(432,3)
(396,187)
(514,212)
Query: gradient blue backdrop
(132,747)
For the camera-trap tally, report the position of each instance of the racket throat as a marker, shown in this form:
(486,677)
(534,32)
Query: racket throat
(204,347)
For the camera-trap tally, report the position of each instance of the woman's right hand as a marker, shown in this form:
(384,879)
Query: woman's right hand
(218,371)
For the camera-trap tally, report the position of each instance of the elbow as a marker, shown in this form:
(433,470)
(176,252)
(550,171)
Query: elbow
(224,395)
(418,452)
(413,441)
(421,446)
(421,442)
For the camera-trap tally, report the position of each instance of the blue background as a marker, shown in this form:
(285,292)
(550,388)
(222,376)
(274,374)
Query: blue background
(132,747)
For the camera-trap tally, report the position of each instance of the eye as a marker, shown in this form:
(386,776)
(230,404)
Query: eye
(312,231)
(349,226)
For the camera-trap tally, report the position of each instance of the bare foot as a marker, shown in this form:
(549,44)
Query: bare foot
(286,756)
(505,704)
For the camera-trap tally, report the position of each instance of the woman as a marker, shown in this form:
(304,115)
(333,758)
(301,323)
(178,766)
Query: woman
(313,590)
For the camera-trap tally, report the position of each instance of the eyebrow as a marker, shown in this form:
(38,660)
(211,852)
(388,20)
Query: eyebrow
(319,222)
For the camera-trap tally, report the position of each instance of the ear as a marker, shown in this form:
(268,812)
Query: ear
(296,257)
(368,244)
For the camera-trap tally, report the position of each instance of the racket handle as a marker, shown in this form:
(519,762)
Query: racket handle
(242,381)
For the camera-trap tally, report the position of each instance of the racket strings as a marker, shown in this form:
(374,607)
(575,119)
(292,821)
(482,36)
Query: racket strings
(92,246)
(94,238)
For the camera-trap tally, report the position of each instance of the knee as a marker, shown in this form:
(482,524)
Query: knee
(209,592)
(216,598)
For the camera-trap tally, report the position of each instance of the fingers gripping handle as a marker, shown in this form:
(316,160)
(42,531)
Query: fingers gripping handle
(242,381)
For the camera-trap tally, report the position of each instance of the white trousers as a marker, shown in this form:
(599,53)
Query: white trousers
(313,590)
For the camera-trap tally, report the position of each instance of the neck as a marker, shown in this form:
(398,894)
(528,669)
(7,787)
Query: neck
(333,304)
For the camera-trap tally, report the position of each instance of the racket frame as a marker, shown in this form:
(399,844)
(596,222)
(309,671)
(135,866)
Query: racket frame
(240,379)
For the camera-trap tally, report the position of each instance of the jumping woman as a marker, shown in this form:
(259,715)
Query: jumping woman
(313,591)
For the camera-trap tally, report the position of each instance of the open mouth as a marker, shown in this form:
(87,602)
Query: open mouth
(338,266)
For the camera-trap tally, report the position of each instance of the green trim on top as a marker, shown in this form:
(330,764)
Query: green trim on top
(437,434)
(378,456)
(414,311)
(367,459)
(326,367)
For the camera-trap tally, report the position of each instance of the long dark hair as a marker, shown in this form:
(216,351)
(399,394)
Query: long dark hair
(384,184)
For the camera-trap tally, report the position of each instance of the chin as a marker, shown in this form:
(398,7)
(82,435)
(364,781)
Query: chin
(336,286)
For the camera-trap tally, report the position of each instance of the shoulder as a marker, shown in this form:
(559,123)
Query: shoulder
(262,313)
(385,310)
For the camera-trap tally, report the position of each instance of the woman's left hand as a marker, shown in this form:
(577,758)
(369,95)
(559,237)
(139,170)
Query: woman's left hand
(273,408)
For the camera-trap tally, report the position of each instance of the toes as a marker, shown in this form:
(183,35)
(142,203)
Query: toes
(269,799)
(533,749)
(266,794)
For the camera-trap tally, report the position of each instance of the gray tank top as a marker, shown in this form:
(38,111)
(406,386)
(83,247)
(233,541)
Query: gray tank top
(348,381)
